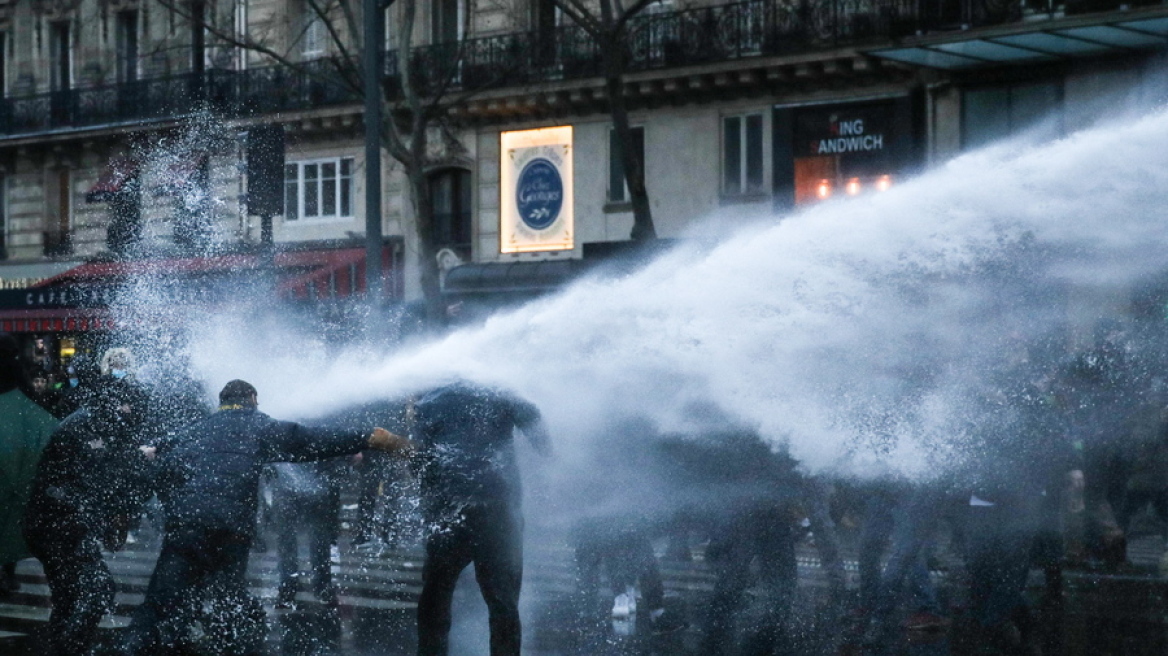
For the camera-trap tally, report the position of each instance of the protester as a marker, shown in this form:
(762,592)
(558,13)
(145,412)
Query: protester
(471,502)
(209,484)
(91,478)
(307,500)
(24,431)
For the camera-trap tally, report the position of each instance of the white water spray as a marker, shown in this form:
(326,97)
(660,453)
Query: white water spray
(878,316)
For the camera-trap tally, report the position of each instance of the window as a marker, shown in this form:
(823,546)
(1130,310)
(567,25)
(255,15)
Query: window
(446,21)
(3,217)
(742,155)
(56,236)
(450,193)
(312,44)
(241,34)
(127,46)
(60,56)
(3,63)
(618,190)
(992,113)
(318,189)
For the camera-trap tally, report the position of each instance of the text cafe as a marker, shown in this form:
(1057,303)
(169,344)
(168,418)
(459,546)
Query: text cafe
(827,151)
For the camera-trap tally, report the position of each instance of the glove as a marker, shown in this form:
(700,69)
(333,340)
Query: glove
(383,440)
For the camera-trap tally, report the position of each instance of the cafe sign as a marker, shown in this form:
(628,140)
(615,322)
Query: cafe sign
(535,187)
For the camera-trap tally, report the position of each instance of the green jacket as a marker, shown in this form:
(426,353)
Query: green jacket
(24,431)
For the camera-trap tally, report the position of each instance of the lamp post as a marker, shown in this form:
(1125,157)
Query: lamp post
(372,64)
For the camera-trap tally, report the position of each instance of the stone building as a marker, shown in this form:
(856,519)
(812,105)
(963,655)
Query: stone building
(125,122)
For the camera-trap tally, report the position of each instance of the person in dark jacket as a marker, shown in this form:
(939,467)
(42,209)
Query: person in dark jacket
(307,500)
(91,476)
(209,477)
(471,501)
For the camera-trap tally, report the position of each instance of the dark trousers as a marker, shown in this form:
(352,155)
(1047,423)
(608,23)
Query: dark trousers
(999,548)
(193,561)
(317,518)
(758,533)
(628,555)
(491,537)
(79,581)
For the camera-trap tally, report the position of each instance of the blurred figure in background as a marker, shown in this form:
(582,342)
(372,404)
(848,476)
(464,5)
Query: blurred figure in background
(25,428)
(307,501)
(92,476)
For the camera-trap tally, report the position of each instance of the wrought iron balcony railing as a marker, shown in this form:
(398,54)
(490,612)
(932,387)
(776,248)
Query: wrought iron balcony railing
(738,30)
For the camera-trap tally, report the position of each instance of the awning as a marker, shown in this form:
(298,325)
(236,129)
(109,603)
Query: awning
(511,277)
(323,274)
(55,320)
(1036,42)
(301,274)
(119,172)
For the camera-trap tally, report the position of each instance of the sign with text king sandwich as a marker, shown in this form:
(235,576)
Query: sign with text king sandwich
(535,187)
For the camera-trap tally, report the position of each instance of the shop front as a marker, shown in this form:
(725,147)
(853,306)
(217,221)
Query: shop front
(70,314)
(826,151)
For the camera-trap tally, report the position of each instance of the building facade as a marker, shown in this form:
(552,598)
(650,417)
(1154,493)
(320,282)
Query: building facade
(124,123)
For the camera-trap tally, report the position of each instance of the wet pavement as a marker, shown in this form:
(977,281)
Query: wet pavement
(1121,613)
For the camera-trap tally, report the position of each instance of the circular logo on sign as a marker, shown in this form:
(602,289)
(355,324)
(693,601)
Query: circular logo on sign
(539,193)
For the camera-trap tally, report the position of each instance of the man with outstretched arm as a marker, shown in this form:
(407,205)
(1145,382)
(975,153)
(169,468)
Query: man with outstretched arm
(209,478)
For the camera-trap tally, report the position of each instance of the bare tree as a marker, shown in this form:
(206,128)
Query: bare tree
(414,106)
(607,22)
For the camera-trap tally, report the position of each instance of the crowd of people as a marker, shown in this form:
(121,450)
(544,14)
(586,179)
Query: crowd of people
(1061,454)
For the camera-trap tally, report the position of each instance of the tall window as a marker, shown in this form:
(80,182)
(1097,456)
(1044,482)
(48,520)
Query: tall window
(60,56)
(127,45)
(315,32)
(241,33)
(992,113)
(59,208)
(742,155)
(446,21)
(3,217)
(3,63)
(318,189)
(618,191)
(450,192)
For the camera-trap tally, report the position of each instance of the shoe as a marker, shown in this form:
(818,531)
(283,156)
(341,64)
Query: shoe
(925,621)
(620,606)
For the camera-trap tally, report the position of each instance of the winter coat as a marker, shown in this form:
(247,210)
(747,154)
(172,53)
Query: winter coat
(466,450)
(90,475)
(210,471)
(25,429)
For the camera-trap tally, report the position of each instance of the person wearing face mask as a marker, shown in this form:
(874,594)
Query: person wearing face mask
(24,431)
(92,473)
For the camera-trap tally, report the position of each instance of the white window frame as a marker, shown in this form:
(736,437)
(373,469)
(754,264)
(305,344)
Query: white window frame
(341,181)
(315,36)
(68,82)
(743,165)
(242,30)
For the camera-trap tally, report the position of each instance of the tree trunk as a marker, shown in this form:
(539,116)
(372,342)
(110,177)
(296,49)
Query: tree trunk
(427,255)
(634,166)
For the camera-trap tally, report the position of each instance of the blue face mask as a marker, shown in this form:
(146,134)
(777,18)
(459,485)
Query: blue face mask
(117,373)
(73,382)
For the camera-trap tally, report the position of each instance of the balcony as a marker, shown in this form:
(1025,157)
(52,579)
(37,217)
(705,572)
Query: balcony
(693,37)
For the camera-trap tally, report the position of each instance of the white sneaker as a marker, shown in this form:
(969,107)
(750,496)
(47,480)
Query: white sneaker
(620,606)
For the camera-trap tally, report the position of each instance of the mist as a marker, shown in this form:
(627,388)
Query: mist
(853,334)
